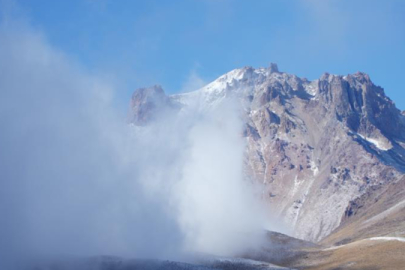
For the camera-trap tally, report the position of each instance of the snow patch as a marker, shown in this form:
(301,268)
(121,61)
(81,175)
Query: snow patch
(296,185)
(312,88)
(378,143)
(379,238)
(387,238)
(314,168)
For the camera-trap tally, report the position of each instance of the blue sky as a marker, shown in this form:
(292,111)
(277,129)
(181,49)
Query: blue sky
(182,44)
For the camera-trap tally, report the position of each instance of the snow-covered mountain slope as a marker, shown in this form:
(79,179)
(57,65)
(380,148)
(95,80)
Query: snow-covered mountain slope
(315,146)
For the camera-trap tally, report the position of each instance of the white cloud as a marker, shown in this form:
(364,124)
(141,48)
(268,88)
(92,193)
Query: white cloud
(67,185)
(75,179)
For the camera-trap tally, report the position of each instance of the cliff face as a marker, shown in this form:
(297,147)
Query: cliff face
(315,146)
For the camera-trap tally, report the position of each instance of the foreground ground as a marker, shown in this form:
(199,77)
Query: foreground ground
(377,253)
(281,252)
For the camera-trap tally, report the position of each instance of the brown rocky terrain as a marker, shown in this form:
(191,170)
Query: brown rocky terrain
(367,253)
(363,254)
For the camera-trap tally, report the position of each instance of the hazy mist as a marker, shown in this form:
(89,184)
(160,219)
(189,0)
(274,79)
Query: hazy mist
(76,179)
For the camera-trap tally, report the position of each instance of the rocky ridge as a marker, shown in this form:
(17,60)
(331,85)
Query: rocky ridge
(315,146)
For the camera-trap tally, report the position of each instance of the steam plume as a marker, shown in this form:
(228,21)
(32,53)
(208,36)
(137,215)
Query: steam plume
(76,179)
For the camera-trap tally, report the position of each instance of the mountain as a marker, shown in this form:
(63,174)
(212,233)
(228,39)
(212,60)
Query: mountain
(329,153)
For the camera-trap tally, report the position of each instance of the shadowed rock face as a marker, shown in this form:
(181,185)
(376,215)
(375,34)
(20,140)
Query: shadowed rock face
(315,146)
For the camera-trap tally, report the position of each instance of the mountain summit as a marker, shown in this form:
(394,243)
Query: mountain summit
(321,149)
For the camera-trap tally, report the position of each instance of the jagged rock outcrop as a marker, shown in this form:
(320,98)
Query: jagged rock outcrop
(145,102)
(315,146)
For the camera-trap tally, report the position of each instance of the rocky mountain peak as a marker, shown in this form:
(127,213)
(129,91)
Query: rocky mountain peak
(314,146)
(144,103)
(273,68)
